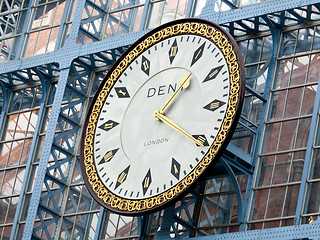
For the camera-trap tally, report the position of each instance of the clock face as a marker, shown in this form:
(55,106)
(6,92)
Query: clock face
(162,116)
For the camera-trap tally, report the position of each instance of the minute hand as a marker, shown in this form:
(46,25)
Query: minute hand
(183,84)
(159,116)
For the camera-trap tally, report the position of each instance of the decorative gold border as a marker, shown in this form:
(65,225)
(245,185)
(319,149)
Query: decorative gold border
(127,205)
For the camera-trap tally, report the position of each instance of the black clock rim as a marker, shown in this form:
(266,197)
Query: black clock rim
(222,147)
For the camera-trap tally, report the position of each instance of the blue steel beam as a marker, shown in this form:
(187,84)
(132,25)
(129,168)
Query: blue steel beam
(142,226)
(63,144)
(42,167)
(5,90)
(236,188)
(70,50)
(65,61)
(275,6)
(101,223)
(175,215)
(308,158)
(190,5)
(239,154)
(302,232)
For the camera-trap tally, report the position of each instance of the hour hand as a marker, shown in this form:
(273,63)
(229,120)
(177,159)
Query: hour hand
(159,116)
(184,83)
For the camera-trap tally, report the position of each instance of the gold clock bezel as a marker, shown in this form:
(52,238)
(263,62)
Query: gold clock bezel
(231,53)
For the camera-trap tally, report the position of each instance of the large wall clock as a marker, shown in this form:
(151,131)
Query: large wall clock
(162,116)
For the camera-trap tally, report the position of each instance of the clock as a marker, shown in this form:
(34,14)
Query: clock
(162,116)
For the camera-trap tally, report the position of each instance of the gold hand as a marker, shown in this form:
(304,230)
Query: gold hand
(159,116)
(184,83)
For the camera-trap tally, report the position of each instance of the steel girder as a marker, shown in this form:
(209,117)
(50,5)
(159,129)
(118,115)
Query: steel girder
(240,22)
(56,173)
(298,232)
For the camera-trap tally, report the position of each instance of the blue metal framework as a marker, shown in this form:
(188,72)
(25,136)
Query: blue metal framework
(54,53)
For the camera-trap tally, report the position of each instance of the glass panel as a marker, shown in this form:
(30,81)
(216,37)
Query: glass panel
(9,179)
(254,49)
(208,212)
(81,223)
(33,178)
(157,10)
(12,122)
(174,10)
(92,227)
(31,44)
(316,38)
(121,226)
(297,166)
(272,138)
(16,101)
(112,225)
(278,103)
(77,177)
(251,71)
(288,43)
(2,173)
(281,173)
(314,70)
(287,222)
(4,153)
(303,132)
(259,210)
(261,81)
(243,45)
(47,231)
(313,198)
(12,20)
(304,40)
(288,135)
(293,103)
(15,152)
(19,180)
(308,100)
(275,202)
(282,168)
(124,226)
(7,232)
(267,48)
(4,204)
(315,170)
(284,73)
(251,108)
(299,70)
(12,209)
(291,201)
(271,224)
(267,166)
(67,227)
(85,200)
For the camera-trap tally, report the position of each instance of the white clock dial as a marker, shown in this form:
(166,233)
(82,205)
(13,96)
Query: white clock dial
(160,117)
